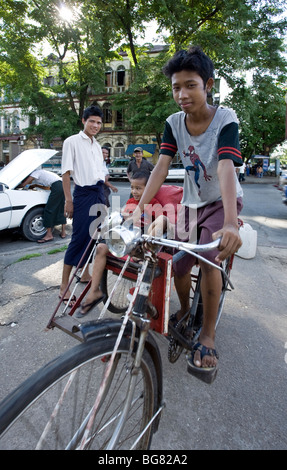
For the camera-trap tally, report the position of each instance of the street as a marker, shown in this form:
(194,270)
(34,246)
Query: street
(245,408)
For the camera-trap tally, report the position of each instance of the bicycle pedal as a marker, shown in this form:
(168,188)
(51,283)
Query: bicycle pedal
(205,375)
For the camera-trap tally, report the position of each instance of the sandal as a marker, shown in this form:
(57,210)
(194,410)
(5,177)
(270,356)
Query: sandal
(80,313)
(70,302)
(206,374)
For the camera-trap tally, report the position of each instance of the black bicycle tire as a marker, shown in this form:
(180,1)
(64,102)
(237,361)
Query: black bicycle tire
(20,400)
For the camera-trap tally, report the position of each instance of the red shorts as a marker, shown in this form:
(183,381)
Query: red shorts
(199,225)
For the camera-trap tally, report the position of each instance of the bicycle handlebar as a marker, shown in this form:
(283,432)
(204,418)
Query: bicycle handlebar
(127,240)
(182,245)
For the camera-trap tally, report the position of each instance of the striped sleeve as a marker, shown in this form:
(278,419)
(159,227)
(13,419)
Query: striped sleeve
(228,144)
(168,145)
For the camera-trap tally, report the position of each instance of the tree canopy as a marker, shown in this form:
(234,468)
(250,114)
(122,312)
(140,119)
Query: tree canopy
(85,35)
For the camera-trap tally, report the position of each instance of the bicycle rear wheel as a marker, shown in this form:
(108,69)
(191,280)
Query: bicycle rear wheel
(49,409)
(226,266)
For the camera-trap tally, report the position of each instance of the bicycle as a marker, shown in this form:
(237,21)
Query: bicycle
(107,393)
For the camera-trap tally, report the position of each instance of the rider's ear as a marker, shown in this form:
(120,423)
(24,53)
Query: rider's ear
(209,85)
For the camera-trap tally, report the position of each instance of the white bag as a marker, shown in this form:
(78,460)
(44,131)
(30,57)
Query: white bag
(249,242)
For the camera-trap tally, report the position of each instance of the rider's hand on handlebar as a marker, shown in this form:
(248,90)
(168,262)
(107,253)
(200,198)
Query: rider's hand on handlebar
(230,241)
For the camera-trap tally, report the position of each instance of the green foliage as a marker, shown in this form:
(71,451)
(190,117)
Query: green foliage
(238,35)
(261,109)
(148,101)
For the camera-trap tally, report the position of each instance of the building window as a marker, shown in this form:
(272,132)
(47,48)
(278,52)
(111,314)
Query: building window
(16,124)
(32,120)
(50,80)
(7,125)
(119,151)
(107,114)
(121,75)
(109,80)
(119,119)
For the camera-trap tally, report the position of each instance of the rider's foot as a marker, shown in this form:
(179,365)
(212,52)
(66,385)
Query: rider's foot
(176,317)
(207,360)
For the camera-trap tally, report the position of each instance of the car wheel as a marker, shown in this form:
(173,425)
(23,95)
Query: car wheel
(32,226)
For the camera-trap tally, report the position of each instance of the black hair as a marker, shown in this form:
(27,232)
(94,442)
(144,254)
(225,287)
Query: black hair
(106,148)
(92,111)
(193,59)
(140,175)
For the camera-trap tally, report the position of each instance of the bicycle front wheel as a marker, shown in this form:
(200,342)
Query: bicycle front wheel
(51,409)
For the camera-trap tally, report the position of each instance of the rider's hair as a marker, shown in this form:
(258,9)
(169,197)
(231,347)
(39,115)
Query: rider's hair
(141,175)
(194,60)
(92,111)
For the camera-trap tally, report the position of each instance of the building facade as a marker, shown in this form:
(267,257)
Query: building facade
(113,135)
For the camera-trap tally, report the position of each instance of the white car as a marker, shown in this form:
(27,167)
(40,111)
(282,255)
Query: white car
(23,208)
(176,172)
(283,179)
(118,168)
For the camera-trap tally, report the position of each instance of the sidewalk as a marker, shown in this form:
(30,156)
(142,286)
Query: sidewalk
(263,180)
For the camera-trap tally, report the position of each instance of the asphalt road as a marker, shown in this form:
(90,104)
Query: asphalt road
(245,408)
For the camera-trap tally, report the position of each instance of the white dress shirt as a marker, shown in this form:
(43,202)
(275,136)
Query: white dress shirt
(83,157)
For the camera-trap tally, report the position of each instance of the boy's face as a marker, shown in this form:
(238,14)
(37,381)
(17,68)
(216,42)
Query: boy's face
(189,91)
(105,154)
(137,188)
(92,125)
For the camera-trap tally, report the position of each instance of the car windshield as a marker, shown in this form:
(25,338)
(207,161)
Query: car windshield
(176,166)
(117,163)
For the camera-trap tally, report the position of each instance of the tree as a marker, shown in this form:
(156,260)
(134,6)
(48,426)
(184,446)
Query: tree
(148,101)
(260,108)
(80,48)
(126,19)
(237,35)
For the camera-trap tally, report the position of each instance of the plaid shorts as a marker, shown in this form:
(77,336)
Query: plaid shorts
(198,225)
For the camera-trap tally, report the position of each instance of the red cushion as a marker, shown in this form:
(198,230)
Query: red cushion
(170,197)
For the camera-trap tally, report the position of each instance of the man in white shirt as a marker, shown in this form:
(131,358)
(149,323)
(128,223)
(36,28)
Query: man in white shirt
(83,160)
(242,172)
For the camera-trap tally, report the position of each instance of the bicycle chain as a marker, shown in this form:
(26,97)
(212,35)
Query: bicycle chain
(175,348)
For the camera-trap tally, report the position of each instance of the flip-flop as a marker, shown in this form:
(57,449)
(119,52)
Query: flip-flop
(206,374)
(80,314)
(80,280)
(63,236)
(71,301)
(43,240)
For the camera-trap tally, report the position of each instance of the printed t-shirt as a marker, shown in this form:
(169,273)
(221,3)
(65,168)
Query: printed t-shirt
(200,154)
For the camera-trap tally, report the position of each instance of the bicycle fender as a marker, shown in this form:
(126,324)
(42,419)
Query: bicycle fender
(95,329)
(153,349)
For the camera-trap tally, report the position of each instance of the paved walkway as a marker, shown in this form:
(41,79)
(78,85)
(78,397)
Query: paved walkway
(263,180)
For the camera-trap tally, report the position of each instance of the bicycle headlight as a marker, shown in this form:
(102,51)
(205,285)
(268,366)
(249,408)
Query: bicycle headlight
(122,241)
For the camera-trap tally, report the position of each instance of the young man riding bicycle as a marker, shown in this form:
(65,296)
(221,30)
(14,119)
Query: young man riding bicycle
(206,138)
